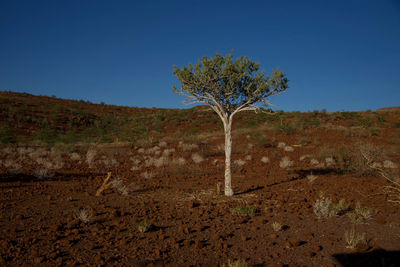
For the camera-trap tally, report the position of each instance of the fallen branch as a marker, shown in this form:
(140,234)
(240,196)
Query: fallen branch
(105,185)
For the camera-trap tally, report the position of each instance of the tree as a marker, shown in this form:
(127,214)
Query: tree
(228,86)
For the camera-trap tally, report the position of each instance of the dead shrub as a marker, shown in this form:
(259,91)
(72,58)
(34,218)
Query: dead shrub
(351,160)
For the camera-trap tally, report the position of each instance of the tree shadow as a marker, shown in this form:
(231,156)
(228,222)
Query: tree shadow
(250,190)
(58,176)
(318,171)
(374,258)
(287,181)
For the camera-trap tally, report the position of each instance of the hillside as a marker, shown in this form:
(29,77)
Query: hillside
(311,189)
(27,118)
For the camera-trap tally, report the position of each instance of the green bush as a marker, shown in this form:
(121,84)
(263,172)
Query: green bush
(285,128)
(46,135)
(306,122)
(7,136)
(244,210)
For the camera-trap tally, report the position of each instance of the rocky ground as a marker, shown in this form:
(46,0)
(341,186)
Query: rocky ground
(304,199)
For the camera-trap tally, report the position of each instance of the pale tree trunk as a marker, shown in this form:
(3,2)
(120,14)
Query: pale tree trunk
(228,155)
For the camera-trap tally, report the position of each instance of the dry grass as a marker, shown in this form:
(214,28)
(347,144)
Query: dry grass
(354,240)
(324,207)
(276,226)
(264,159)
(197,158)
(285,163)
(84,215)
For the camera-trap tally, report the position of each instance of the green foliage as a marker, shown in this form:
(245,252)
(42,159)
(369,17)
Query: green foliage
(361,214)
(7,136)
(366,122)
(244,210)
(374,131)
(4,100)
(46,135)
(350,115)
(143,226)
(307,122)
(228,84)
(285,128)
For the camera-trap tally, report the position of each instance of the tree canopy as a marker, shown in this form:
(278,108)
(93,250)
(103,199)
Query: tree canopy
(228,85)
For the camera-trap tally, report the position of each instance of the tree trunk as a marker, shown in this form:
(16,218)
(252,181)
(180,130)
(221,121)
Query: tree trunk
(228,154)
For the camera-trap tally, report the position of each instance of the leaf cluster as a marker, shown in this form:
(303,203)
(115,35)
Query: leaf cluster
(227,83)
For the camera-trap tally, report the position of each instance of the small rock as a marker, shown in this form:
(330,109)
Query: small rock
(296,242)
(273,236)
(316,247)
(311,253)
(191,204)
(38,260)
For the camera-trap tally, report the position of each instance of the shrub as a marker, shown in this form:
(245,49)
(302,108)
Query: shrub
(143,226)
(239,163)
(285,128)
(188,147)
(354,239)
(236,263)
(42,173)
(244,210)
(84,215)
(120,186)
(147,175)
(306,122)
(197,158)
(47,135)
(286,163)
(90,157)
(276,226)
(352,160)
(324,207)
(7,136)
(311,178)
(361,214)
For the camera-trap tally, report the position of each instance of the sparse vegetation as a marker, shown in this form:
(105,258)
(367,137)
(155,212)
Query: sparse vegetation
(276,226)
(324,207)
(354,239)
(120,186)
(84,215)
(143,226)
(286,163)
(236,263)
(244,210)
(184,199)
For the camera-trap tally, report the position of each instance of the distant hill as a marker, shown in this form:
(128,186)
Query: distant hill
(26,118)
(389,109)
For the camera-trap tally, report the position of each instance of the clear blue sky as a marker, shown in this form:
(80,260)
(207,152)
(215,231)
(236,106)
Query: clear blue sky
(338,55)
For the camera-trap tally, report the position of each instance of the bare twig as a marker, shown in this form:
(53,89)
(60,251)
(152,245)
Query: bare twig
(105,185)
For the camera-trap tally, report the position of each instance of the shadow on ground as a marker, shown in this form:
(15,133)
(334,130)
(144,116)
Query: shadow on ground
(374,258)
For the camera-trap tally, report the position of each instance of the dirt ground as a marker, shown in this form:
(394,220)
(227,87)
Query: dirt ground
(191,224)
(163,207)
